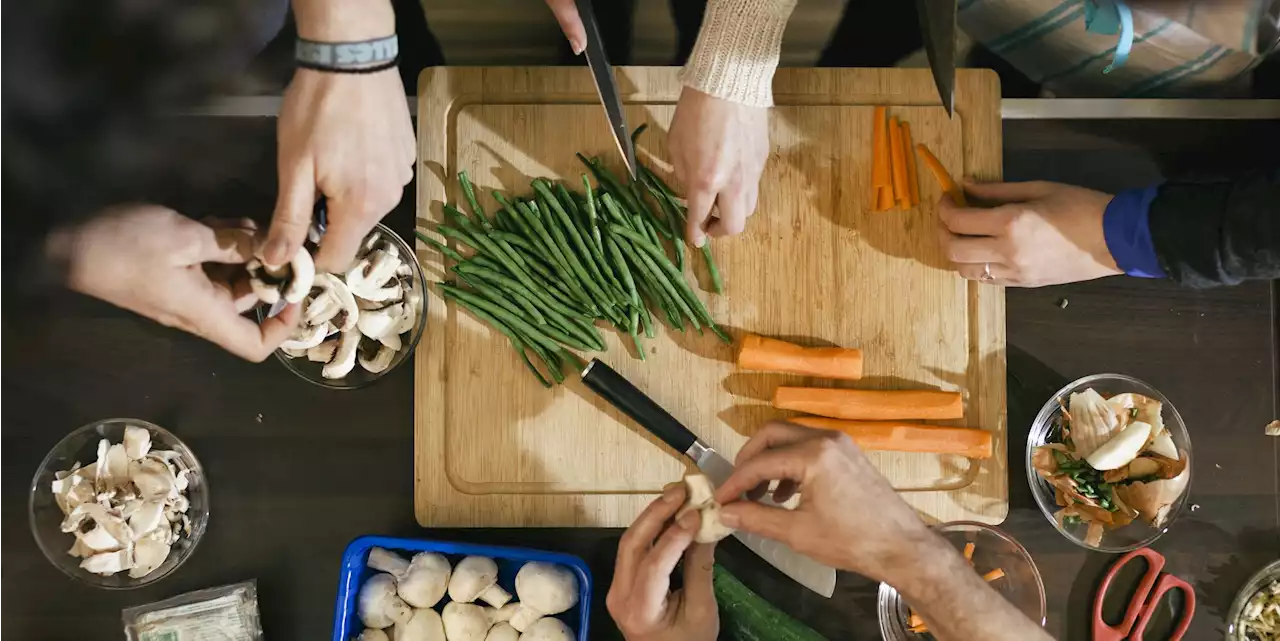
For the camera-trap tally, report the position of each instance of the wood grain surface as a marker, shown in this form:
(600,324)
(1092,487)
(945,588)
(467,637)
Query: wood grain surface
(496,449)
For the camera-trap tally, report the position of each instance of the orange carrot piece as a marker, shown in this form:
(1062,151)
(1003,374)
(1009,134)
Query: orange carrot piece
(939,172)
(772,355)
(968,551)
(918,629)
(895,436)
(993,575)
(884,199)
(870,405)
(913,180)
(880,172)
(915,620)
(901,193)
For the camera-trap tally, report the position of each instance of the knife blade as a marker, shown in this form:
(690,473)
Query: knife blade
(606,85)
(938,29)
(625,396)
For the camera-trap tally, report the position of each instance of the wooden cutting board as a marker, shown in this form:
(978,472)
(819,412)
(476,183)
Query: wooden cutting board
(494,448)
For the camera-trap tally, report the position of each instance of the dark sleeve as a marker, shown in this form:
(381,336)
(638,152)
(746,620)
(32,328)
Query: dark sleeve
(1218,231)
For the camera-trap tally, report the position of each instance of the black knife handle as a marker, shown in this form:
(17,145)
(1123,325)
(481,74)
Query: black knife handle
(620,393)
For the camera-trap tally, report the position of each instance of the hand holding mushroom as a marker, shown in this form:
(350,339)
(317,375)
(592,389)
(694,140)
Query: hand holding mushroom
(640,598)
(158,263)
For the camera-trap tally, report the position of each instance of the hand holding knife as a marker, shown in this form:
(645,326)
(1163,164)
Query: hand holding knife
(607,85)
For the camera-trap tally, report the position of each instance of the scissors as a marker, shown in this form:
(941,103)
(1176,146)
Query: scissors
(606,85)
(938,27)
(319,220)
(1144,601)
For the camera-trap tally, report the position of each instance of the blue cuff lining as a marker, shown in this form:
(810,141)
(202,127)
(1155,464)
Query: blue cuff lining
(1128,234)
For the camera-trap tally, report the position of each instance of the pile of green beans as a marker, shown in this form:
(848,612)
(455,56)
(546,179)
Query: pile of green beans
(546,267)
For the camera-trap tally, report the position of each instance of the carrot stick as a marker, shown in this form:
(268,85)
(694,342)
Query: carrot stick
(884,200)
(944,179)
(918,629)
(870,405)
(968,551)
(901,193)
(880,173)
(909,437)
(913,181)
(772,355)
(993,575)
(915,620)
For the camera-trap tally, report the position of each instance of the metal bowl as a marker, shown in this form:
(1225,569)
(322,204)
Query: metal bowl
(80,445)
(1139,533)
(1260,579)
(993,548)
(359,377)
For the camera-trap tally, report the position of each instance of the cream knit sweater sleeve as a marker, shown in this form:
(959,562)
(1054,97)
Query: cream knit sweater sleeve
(737,50)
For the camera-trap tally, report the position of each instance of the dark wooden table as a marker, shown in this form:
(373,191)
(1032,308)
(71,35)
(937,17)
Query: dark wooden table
(297,471)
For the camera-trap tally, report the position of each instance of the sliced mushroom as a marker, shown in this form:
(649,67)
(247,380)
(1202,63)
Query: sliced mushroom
(148,517)
(98,539)
(380,322)
(302,273)
(323,352)
(305,338)
(380,361)
(344,358)
(369,277)
(292,282)
(108,563)
(152,477)
(148,554)
(334,302)
(293,353)
(264,285)
(137,442)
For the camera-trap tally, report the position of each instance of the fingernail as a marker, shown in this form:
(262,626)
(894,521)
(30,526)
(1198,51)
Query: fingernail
(699,241)
(578,47)
(730,519)
(274,254)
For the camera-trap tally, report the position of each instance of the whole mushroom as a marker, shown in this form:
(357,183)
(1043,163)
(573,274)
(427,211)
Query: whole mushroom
(502,632)
(544,589)
(547,629)
(373,634)
(421,582)
(476,577)
(378,605)
(464,622)
(424,625)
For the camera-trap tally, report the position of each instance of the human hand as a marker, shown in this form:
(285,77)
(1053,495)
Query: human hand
(1033,234)
(640,598)
(718,150)
(566,13)
(347,137)
(848,517)
(153,261)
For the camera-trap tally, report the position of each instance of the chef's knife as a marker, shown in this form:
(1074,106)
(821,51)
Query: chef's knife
(319,220)
(620,393)
(606,85)
(938,28)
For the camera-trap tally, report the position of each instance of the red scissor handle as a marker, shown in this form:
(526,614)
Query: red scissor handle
(1169,582)
(1104,632)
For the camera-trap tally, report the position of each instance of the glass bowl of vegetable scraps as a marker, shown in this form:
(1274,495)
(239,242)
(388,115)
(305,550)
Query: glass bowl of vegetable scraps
(1001,561)
(1255,614)
(1108,461)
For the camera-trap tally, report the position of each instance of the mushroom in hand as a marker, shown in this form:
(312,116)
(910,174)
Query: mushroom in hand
(476,577)
(701,497)
(544,589)
(290,282)
(464,622)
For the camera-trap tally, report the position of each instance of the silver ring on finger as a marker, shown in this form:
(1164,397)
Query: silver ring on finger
(986,273)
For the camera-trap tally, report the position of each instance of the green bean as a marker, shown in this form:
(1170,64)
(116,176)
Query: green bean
(506,286)
(546,335)
(592,223)
(502,264)
(474,204)
(458,235)
(549,305)
(440,247)
(485,290)
(662,262)
(560,262)
(615,211)
(620,265)
(587,262)
(609,181)
(646,321)
(517,241)
(717,284)
(585,282)
(552,363)
(633,323)
(519,346)
(673,220)
(570,206)
(659,283)
(588,331)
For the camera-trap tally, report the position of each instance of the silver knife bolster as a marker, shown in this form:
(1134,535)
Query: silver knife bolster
(699,452)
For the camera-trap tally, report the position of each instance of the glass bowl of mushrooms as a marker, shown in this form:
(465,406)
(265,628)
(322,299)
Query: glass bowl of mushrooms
(119,503)
(358,326)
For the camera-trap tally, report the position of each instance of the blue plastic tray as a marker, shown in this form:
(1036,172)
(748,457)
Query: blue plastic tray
(346,622)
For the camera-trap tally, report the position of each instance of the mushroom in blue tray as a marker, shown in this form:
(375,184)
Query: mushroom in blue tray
(545,589)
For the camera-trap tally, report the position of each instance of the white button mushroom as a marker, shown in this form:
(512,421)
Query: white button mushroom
(376,323)
(502,632)
(148,554)
(701,498)
(547,629)
(290,282)
(108,563)
(426,580)
(369,277)
(378,605)
(476,577)
(373,634)
(137,442)
(344,358)
(464,622)
(424,625)
(333,303)
(544,589)
(305,337)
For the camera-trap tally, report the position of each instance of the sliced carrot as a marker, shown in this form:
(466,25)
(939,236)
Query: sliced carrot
(915,620)
(968,551)
(880,171)
(870,405)
(884,201)
(772,355)
(918,629)
(993,575)
(901,193)
(895,436)
(913,181)
(940,173)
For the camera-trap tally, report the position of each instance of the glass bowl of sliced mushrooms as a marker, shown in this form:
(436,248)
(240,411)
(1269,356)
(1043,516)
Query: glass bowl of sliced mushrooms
(119,503)
(358,326)
(1109,462)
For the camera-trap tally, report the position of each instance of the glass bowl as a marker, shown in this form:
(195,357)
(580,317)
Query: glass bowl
(1139,533)
(1261,579)
(359,377)
(1021,584)
(81,445)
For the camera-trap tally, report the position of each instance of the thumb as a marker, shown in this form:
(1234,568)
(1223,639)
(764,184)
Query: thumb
(699,567)
(566,13)
(1001,193)
(292,217)
(770,522)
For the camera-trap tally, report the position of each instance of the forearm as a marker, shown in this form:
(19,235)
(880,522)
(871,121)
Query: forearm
(737,50)
(955,601)
(343,20)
